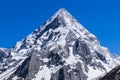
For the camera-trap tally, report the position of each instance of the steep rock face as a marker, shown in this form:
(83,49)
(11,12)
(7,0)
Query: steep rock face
(28,68)
(61,49)
(3,54)
(4,59)
(66,74)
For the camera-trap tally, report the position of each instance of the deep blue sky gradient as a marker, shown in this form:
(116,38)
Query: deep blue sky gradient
(18,18)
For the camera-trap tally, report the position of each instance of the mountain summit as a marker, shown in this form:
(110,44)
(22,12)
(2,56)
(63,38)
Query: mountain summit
(60,49)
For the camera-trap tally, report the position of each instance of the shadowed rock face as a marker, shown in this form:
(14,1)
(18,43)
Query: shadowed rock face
(83,50)
(28,68)
(66,74)
(114,74)
(2,55)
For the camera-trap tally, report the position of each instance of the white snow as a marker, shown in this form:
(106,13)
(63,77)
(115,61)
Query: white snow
(19,55)
(15,78)
(45,60)
(93,74)
(18,45)
(71,58)
(45,72)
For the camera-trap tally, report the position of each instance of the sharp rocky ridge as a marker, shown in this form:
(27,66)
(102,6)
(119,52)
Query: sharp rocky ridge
(60,49)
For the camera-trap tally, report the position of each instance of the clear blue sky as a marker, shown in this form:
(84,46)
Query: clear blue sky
(18,18)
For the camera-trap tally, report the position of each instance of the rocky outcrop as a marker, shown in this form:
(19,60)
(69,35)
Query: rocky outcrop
(28,68)
(114,74)
(66,73)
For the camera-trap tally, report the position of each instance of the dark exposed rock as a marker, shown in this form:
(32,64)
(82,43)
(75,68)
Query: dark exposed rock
(114,74)
(3,55)
(101,57)
(66,73)
(28,69)
(82,49)
(55,59)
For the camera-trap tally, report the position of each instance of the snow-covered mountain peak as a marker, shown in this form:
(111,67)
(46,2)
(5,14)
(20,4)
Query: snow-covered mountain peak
(62,48)
(62,10)
(56,29)
(62,21)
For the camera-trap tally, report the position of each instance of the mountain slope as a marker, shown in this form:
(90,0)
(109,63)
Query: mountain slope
(61,49)
(114,74)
